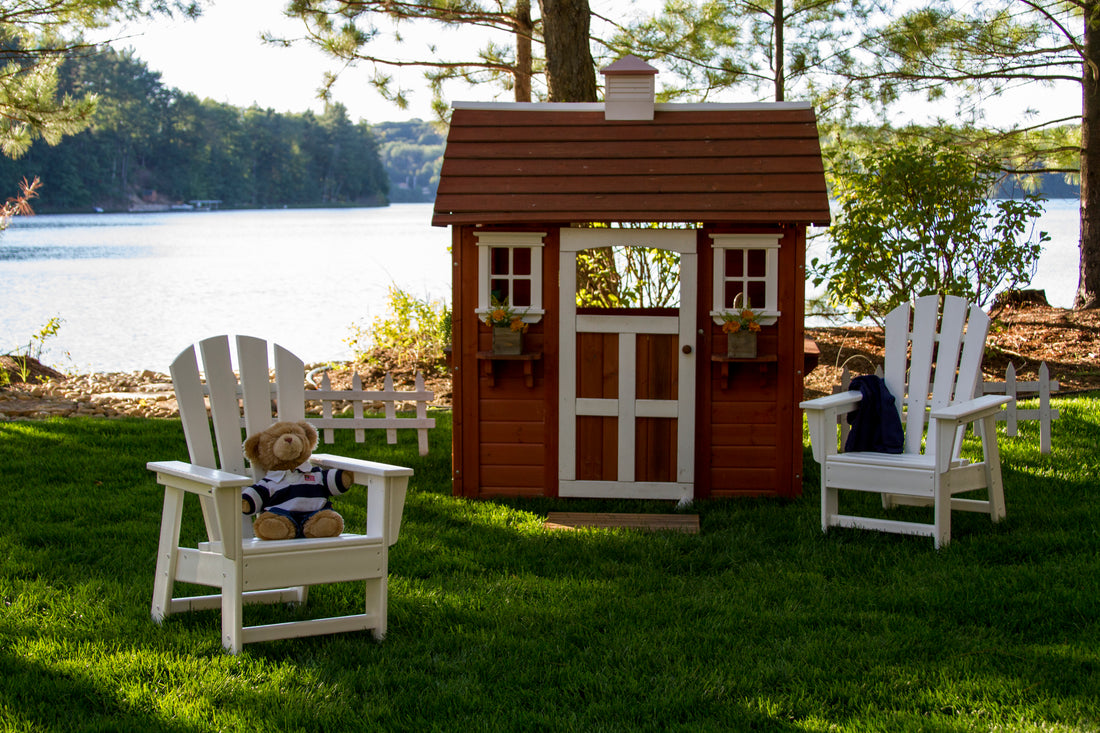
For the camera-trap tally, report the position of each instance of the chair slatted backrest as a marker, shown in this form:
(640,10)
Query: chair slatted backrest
(954,341)
(220,447)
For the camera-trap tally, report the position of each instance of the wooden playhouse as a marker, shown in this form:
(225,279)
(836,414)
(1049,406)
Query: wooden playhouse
(631,403)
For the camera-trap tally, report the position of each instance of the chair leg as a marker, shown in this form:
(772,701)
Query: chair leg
(991,454)
(829,502)
(167,552)
(377,605)
(942,528)
(233,608)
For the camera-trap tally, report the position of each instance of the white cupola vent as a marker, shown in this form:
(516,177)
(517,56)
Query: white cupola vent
(629,88)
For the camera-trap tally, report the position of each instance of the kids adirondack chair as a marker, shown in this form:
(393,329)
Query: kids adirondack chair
(244,569)
(944,403)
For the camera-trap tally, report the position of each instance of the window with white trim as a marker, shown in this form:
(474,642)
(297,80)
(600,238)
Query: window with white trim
(510,271)
(746,266)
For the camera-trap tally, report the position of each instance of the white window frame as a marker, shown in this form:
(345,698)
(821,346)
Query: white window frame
(767,242)
(487,241)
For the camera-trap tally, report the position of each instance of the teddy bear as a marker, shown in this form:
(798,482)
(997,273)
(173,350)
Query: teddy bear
(292,499)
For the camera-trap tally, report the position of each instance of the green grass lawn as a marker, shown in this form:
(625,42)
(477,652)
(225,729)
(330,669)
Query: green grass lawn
(759,622)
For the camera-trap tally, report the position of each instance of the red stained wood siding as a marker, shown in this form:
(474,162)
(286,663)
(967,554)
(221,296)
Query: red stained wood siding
(749,430)
(505,430)
(554,164)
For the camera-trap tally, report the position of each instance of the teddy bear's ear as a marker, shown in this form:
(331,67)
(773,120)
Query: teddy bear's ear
(250,447)
(310,431)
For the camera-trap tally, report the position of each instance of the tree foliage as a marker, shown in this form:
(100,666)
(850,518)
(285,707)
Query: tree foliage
(779,50)
(146,140)
(916,220)
(974,51)
(351,31)
(36,36)
(628,277)
(412,154)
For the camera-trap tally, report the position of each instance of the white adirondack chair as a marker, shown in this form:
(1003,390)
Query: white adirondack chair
(946,403)
(244,569)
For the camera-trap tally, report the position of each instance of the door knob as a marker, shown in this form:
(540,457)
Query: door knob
(686,349)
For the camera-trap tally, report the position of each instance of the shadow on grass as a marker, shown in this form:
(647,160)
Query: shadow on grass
(759,622)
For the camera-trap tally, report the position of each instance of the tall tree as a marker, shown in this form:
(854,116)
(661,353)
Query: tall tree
(993,47)
(570,71)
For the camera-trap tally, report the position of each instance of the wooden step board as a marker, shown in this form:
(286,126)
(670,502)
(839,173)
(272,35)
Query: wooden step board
(647,522)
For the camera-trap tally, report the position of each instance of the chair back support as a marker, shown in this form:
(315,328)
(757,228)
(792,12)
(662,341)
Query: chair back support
(215,439)
(230,399)
(954,341)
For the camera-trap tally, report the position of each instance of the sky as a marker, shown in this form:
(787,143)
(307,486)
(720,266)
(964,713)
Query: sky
(220,56)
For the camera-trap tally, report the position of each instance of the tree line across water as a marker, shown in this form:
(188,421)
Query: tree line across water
(150,146)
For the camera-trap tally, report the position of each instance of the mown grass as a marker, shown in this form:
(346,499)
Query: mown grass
(757,623)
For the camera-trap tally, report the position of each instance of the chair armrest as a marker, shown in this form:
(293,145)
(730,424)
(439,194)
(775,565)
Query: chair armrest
(211,477)
(841,401)
(971,410)
(821,416)
(386,489)
(382,470)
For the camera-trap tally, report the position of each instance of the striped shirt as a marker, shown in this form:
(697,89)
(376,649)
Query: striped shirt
(303,489)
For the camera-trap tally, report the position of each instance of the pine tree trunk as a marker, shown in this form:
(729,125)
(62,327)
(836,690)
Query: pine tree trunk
(570,70)
(1088,288)
(524,31)
(780,51)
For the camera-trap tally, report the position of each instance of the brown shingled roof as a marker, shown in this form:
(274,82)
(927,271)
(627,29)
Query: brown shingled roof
(557,163)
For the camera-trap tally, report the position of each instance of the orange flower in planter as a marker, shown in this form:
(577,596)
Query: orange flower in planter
(502,316)
(739,318)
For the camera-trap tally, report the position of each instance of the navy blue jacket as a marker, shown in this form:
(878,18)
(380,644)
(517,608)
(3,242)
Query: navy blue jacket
(875,425)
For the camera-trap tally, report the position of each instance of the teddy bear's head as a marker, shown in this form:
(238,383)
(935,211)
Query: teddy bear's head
(283,446)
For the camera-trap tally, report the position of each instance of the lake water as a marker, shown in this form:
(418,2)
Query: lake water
(133,289)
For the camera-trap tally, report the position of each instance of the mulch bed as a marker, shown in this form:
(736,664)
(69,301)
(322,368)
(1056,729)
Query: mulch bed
(1067,341)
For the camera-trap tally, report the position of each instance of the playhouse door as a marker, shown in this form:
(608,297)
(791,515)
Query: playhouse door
(627,380)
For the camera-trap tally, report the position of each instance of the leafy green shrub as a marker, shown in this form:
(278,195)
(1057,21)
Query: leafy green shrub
(413,332)
(916,219)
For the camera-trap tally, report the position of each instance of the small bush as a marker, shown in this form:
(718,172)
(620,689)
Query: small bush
(413,332)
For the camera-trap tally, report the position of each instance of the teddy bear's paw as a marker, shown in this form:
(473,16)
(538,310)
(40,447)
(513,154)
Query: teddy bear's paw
(269,526)
(325,523)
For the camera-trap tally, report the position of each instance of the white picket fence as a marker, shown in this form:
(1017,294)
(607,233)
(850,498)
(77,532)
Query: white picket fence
(1011,415)
(327,425)
(389,397)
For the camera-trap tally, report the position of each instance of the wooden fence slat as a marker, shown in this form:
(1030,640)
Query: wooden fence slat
(1045,415)
(421,414)
(1010,390)
(391,409)
(326,408)
(357,407)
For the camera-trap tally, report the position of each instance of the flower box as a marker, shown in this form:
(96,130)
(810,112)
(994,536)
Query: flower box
(506,341)
(741,345)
